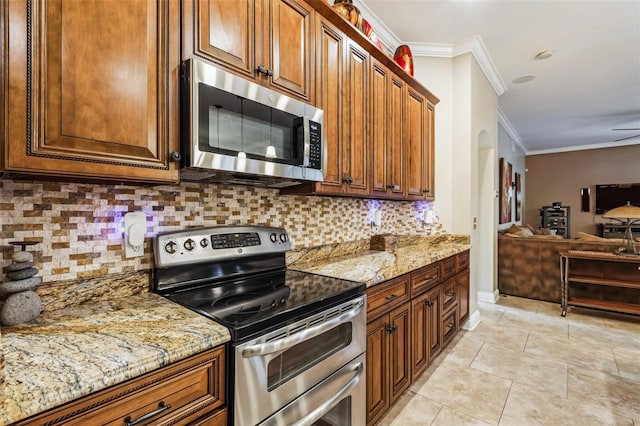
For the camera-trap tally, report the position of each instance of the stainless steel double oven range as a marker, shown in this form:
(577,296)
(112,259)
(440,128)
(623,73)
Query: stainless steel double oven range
(298,340)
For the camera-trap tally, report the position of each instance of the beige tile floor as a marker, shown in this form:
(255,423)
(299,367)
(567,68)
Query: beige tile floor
(524,365)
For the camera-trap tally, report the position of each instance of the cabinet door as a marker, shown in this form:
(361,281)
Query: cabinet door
(462,284)
(380,105)
(291,48)
(221,31)
(330,57)
(416,134)
(377,368)
(92,89)
(428,160)
(434,324)
(355,116)
(420,335)
(386,134)
(400,350)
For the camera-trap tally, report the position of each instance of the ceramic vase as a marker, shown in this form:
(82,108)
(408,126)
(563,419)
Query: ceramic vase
(404,58)
(348,11)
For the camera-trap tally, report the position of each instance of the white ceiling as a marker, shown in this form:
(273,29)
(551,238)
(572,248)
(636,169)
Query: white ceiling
(589,86)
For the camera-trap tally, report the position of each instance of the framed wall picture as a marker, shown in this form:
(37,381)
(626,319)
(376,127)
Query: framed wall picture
(518,197)
(505,191)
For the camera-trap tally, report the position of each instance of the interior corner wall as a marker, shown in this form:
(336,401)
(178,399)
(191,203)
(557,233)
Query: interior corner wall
(560,176)
(436,74)
(512,153)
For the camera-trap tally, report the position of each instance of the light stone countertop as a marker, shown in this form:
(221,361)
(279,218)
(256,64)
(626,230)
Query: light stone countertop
(69,353)
(373,267)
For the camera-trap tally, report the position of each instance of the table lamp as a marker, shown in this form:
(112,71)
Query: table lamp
(628,215)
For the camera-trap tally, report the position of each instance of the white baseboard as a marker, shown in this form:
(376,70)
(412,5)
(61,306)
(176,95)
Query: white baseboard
(472,322)
(485,296)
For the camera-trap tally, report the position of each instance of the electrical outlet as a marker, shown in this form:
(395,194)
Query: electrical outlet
(135,226)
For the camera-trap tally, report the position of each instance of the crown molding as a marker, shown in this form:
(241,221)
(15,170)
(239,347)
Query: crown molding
(506,125)
(438,50)
(476,46)
(583,147)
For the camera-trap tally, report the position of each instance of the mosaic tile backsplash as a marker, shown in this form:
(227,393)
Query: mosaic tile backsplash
(79,227)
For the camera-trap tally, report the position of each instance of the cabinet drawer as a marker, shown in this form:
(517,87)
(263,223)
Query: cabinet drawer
(449,326)
(449,295)
(448,268)
(176,394)
(424,279)
(383,297)
(463,261)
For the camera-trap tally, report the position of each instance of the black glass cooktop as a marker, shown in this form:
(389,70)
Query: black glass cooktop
(263,302)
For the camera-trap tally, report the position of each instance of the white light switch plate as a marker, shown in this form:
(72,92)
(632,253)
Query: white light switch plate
(135,226)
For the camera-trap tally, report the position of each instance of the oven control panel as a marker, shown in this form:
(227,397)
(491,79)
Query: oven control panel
(217,243)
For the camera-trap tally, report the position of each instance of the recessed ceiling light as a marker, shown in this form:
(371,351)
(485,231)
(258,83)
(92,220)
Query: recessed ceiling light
(545,54)
(523,79)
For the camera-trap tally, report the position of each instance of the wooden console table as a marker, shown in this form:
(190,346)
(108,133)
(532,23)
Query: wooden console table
(600,274)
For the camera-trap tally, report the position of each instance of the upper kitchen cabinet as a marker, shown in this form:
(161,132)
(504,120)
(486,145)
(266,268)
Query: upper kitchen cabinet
(342,92)
(418,121)
(90,89)
(387,134)
(267,41)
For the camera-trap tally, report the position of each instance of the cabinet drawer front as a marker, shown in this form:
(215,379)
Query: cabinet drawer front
(176,394)
(463,261)
(449,326)
(425,279)
(448,268)
(383,297)
(449,295)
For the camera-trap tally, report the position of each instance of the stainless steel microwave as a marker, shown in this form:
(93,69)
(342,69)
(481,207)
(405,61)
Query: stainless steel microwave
(236,131)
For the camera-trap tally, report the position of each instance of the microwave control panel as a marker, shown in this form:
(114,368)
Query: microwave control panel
(315,145)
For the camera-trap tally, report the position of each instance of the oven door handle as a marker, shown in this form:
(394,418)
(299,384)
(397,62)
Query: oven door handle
(289,341)
(323,409)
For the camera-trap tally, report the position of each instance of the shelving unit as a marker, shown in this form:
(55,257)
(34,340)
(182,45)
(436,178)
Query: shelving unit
(556,218)
(606,270)
(607,230)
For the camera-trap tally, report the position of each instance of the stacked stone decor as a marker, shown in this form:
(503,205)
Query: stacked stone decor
(19,302)
(79,227)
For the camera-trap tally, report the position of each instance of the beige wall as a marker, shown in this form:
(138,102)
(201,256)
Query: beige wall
(559,177)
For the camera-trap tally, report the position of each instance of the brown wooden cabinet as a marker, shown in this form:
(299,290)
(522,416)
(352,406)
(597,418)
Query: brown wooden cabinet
(91,89)
(387,133)
(419,149)
(410,320)
(268,41)
(188,391)
(388,345)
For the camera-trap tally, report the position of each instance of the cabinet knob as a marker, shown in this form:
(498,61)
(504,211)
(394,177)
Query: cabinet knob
(347,179)
(426,191)
(176,156)
(391,328)
(261,69)
(269,72)
(429,303)
(391,297)
(391,186)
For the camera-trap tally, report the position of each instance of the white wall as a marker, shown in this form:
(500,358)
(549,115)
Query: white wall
(465,176)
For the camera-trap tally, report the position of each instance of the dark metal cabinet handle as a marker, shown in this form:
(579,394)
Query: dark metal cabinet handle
(426,191)
(453,268)
(392,328)
(391,186)
(451,293)
(391,297)
(261,69)
(176,156)
(429,303)
(161,407)
(347,179)
(269,73)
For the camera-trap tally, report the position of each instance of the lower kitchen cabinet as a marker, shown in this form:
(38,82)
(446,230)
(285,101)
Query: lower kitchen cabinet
(191,391)
(410,320)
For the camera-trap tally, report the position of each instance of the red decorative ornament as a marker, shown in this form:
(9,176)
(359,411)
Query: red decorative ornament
(404,58)
(367,29)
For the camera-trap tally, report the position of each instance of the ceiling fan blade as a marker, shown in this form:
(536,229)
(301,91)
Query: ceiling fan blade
(636,128)
(624,139)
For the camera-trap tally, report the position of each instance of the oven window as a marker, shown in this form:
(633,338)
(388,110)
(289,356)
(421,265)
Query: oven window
(305,355)
(340,415)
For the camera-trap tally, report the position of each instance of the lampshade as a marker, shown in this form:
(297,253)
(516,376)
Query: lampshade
(624,212)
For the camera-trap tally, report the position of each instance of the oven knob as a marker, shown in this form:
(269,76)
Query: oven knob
(273,237)
(171,247)
(204,243)
(189,244)
(283,237)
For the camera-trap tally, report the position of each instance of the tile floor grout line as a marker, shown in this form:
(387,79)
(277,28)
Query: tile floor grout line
(437,414)
(505,402)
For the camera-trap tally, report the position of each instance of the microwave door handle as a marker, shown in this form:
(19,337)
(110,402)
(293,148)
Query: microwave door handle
(306,140)
(262,349)
(323,409)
